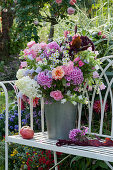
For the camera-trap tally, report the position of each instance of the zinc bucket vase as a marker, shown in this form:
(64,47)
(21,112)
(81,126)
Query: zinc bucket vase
(60,119)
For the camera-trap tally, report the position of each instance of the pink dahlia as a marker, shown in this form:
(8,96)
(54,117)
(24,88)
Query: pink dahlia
(57,95)
(58,73)
(43,79)
(97,106)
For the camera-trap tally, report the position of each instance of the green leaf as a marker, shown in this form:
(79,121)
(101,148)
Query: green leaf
(77,158)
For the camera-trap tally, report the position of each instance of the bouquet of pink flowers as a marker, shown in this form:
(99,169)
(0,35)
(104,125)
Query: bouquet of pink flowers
(59,70)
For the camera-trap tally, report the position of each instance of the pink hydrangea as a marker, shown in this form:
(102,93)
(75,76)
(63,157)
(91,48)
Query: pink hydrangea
(30,44)
(44,80)
(80,63)
(57,95)
(70,10)
(72,2)
(58,73)
(58,1)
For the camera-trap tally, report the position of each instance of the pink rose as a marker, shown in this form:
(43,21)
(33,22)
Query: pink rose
(66,33)
(43,45)
(72,2)
(23,64)
(30,44)
(58,1)
(57,95)
(70,10)
(77,59)
(80,63)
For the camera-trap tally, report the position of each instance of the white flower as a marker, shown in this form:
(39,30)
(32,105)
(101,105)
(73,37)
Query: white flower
(96,67)
(74,103)
(80,97)
(20,73)
(68,93)
(86,100)
(63,101)
(28,86)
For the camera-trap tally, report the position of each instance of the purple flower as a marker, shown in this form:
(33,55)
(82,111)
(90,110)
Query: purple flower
(74,133)
(28,116)
(11,127)
(30,57)
(13,116)
(49,74)
(43,79)
(16,127)
(102,86)
(95,74)
(38,70)
(76,76)
(1,117)
(26,72)
(24,121)
(31,71)
(39,113)
(11,119)
(51,48)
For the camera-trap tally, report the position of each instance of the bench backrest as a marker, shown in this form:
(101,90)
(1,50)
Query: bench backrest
(98,115)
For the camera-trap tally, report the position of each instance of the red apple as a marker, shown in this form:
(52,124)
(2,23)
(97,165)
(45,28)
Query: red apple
(26,132)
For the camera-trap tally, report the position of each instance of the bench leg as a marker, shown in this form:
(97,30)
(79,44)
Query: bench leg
(110,166)
(55,160)
(6,155)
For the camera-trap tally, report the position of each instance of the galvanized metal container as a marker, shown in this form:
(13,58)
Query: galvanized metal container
(60,119)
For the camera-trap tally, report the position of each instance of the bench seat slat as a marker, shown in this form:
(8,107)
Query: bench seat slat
(40,140)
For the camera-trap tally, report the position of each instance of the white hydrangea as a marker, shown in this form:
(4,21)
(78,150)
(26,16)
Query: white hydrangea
(28,87)
(20,73)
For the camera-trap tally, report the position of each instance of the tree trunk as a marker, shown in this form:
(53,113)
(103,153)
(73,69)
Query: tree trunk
(51,34)
(7,22)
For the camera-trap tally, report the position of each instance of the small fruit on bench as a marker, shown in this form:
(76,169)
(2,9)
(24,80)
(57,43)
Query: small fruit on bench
(27,132)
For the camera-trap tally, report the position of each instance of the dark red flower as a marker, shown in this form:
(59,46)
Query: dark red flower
(97,106)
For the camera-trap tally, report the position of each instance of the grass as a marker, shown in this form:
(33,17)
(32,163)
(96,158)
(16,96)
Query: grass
(11,96)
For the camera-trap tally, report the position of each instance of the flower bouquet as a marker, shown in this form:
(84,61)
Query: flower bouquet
(59,70)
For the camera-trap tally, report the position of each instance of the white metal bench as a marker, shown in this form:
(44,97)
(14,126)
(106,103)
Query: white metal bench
(40,140)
